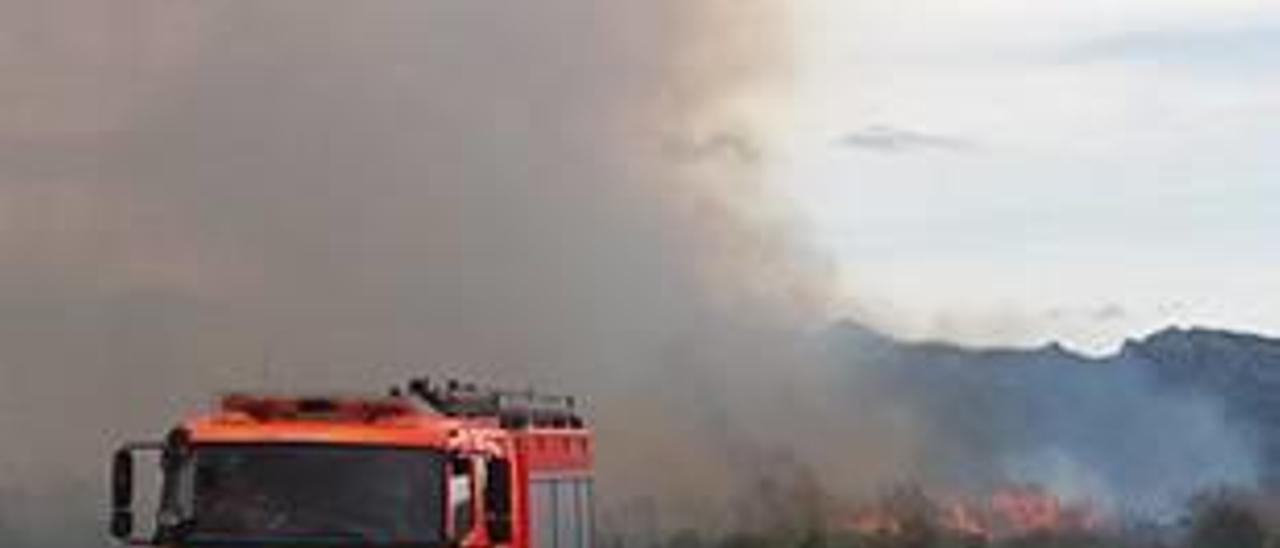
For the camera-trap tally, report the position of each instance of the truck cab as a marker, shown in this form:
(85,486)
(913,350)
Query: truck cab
(428,465)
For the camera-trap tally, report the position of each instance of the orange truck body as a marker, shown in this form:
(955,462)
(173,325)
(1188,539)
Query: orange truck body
(546,455)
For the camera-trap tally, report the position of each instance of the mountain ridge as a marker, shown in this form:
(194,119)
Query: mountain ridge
(1173,412)
(853,329)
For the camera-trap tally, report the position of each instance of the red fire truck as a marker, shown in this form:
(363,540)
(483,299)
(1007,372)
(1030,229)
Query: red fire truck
(428,465)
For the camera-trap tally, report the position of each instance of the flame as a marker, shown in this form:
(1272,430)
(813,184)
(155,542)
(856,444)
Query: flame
(875,523)
(1008,512)
(966,520)
(1027,511)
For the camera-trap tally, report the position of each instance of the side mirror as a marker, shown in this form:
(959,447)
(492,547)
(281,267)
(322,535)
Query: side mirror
(122,475)
(122,494)
(497,500)
(122,525)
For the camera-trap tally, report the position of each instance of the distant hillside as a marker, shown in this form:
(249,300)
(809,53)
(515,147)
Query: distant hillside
(1170,414)
(1242,370)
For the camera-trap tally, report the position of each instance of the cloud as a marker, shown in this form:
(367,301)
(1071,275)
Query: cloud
(1109,312)
(1235,51)
(889,139)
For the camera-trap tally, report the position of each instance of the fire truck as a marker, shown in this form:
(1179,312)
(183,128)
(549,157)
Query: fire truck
(427,465)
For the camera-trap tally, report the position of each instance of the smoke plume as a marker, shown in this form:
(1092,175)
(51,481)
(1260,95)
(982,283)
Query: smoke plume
(334,195)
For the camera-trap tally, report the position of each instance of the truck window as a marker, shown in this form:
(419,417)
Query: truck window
(317,493)
(461,487)
(497,499)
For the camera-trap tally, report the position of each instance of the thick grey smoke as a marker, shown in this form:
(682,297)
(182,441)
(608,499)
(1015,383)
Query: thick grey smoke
(199,196)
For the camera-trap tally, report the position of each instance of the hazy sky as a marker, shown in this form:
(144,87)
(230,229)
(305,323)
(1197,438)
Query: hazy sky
(999,171)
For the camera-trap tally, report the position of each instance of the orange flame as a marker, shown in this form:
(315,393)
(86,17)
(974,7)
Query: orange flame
(1009,512)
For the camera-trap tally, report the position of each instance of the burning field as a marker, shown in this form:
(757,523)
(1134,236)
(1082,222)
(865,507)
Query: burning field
(333,195)
(1018,517)
(1031,447)
(1013,512)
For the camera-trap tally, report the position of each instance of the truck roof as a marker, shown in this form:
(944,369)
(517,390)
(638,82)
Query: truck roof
(392,421)
(243,418)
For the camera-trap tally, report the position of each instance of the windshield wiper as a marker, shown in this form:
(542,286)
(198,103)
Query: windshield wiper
(326,538)
(320,538)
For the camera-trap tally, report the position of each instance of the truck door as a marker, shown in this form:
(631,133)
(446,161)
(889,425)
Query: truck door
(560,510)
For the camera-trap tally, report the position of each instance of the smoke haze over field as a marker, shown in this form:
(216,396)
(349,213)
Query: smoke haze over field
(316,194)
(1138,432)
(199,196)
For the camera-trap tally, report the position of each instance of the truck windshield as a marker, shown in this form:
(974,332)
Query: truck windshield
(315,494)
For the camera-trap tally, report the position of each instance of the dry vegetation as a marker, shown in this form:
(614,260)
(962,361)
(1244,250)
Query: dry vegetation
(1214,520)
